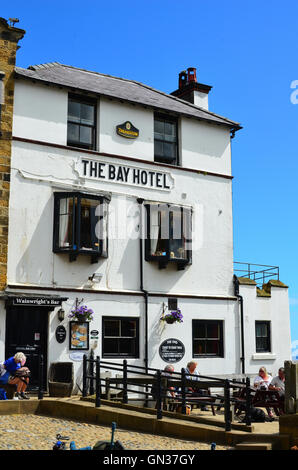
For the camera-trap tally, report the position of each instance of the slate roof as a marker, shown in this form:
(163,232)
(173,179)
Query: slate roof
(128,90)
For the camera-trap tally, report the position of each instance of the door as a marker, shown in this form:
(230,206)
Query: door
(27,332)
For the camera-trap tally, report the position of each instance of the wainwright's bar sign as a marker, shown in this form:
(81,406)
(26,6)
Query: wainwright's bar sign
(124,174)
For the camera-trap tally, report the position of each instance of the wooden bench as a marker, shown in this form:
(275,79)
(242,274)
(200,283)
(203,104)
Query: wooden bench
(10,390)
(168,403)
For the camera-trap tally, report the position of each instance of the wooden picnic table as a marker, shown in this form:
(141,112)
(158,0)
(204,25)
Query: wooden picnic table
(261,399)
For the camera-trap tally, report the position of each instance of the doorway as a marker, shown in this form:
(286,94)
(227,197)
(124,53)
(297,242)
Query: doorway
(27,332)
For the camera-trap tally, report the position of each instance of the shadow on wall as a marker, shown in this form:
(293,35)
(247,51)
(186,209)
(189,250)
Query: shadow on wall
(35,266)
(33,244)
(205,139)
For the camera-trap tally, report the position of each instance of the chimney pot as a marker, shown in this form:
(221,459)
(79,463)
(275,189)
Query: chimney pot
(182,79)
(192,74)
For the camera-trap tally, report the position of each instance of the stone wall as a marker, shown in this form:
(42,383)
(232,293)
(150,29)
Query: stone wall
(9,37)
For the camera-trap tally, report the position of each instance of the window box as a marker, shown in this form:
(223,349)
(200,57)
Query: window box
(165,140)
(168,237)
(80,225)
(120,337)
(207,338)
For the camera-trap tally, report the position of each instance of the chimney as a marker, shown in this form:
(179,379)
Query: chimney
(190,90)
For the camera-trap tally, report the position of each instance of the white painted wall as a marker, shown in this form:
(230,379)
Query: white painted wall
(38,171)
(40,112)
(201,99)
(205,147)
(202,146)
(113,113)
(276,310)
(201,309)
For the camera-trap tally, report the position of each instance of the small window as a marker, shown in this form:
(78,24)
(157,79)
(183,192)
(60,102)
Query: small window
(168,234)
(207,338)
(120,337)
(165,140)
(263,341)
(80,225)
(81,123)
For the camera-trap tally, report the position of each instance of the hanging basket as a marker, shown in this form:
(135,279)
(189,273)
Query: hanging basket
(170,320)
(81,314)
(81,319)
(173,317)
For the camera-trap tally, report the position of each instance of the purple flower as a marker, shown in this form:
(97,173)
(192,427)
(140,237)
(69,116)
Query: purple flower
(175,315)
(81,312)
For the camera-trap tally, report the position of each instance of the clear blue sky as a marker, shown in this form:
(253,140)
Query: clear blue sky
(248,53)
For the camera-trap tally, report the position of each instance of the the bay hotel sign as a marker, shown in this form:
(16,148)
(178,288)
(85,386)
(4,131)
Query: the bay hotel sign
(99,170)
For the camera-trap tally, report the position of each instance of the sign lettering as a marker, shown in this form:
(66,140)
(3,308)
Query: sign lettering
(125,174)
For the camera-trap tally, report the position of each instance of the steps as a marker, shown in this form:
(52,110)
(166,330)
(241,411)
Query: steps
(254,446)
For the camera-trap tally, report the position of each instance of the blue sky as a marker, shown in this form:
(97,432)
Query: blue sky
(248,53)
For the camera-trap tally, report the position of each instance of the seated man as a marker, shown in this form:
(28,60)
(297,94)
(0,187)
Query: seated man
(278,383)
(170,392)
(193,391)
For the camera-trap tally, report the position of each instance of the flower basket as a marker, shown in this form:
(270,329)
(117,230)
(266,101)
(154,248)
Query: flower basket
(81,313)
(170,320)
(175,316)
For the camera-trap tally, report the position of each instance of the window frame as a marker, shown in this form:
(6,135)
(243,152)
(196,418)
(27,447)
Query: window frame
(220,323)
(88,101)
(173,120)
(186,215)
(268,337)
(136,339)
(75,249)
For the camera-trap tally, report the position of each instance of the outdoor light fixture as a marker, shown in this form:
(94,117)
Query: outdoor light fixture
(61,314)
(96,277)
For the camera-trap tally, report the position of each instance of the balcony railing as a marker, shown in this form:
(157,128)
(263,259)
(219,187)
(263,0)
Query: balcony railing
(260,273)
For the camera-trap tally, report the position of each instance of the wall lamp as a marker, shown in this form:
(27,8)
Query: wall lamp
(61,314)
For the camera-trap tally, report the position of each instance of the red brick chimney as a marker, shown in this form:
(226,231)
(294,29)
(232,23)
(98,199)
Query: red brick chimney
(190,90)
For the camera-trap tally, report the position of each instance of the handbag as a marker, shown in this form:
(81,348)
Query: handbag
(22,372)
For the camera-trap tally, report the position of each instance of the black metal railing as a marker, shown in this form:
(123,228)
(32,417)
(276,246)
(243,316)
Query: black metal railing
(40,377)
(260,273)
(143,379)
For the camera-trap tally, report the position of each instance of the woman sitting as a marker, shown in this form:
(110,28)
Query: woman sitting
(262,382)
(8,371)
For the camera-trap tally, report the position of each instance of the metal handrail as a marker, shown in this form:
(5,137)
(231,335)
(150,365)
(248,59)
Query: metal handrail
(252,273)
(182,380)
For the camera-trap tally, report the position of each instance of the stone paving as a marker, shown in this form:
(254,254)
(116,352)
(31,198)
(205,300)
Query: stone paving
(35,432)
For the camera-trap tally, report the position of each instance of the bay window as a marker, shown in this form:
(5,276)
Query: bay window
(168,235)
(80,225)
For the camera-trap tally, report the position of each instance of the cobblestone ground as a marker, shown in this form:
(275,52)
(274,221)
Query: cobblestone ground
(34,432)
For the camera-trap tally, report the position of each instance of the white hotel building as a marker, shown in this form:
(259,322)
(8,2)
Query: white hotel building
(100,168)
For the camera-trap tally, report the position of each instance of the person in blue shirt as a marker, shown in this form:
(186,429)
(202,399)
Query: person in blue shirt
(8,369)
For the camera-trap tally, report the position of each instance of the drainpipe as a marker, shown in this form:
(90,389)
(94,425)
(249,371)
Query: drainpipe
(240,298)
(145,292)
